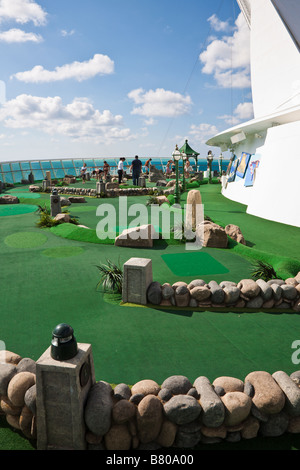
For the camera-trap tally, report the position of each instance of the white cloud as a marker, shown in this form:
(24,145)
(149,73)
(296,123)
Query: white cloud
(17,35)
(228,59)
(22,11)
(202,132)
(77,120)
(65,33)
(243,112)
(98,65)
(217,24)
(159,102)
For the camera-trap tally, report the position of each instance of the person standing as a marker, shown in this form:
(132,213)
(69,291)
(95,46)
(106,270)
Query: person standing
(106,168)
(83,173)
(147,165)
(120,169)
(136,167)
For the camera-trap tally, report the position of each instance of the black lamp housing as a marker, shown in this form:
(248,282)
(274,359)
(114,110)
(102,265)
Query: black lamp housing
(63,344)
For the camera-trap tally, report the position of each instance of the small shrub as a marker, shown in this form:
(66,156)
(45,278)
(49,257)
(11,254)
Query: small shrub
(263,271)
(111,277)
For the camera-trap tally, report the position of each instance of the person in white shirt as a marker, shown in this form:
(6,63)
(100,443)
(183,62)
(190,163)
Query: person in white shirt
(121,169)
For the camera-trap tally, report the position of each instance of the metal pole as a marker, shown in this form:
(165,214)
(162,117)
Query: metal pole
(177,194)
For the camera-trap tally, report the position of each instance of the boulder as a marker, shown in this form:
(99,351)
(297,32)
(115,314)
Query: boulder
(167,291)
(237,407)
(211,235)
(182,296)
(162,199)
(123,411)
(249,288)
(291,392)
(255,303)
(229,384)
(289,291)
(118,438)
(18,386)
(145,387)
(217,293)
(9,357)
(7,371)
(196,283)
(76,199)
(62,218)
(276,425)
(167,434)
(182,409)
(200,293)
(193,209)
(98,408)
(149,418)
(234,232)
(213,411)
(154,293)
(122,392)
(231,294)
(9,199)
(266,291)
(268,397)
(250,428)
(177,384)
(137,237)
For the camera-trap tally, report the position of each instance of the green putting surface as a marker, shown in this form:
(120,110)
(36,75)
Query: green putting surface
(25,240)
(24,194)
(16,209)
(194,264)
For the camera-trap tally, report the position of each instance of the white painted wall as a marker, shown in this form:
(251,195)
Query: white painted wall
(276,192)
(275,58)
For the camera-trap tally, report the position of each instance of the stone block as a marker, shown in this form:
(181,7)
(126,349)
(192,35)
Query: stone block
(137,276)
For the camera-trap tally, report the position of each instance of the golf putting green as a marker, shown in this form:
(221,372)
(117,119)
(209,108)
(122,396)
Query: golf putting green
(25,240)
(193,264)
(63,251)
(26,194)
(16,209)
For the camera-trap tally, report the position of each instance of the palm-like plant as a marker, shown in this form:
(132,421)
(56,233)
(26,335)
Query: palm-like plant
(263,271)
(111,277)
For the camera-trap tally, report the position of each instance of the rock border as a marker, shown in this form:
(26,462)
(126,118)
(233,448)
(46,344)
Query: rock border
(176,414)
(247,293)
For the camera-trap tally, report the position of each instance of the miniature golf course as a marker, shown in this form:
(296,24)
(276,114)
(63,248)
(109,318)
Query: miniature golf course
(49,276)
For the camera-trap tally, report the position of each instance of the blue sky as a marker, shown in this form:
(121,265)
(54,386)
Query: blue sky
(101,78)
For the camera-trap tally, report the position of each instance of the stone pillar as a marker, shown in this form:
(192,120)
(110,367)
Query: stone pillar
(62,389)
(55,203)
(137,276)
(142,182)
(46,185)
(101,187)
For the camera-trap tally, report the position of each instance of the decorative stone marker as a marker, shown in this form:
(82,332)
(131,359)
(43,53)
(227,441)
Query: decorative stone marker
(137,276)
(62,389)
(55,203)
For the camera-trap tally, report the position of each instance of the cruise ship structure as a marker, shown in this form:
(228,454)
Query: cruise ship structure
(265,168)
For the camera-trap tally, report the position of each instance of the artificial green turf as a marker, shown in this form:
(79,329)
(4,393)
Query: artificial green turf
(194,264)
(15,209)
(129,344)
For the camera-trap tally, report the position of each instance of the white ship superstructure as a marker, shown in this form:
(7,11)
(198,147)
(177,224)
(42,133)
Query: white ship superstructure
(269,143)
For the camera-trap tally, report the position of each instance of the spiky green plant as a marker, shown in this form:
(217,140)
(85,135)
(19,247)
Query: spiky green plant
(262,270)
(111,277)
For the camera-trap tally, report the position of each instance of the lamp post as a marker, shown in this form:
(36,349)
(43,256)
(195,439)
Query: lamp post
(184,157)
(195,156)
(176,157)
(220,163)
(210,158)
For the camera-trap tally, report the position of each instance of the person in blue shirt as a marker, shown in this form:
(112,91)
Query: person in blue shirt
(136,167)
